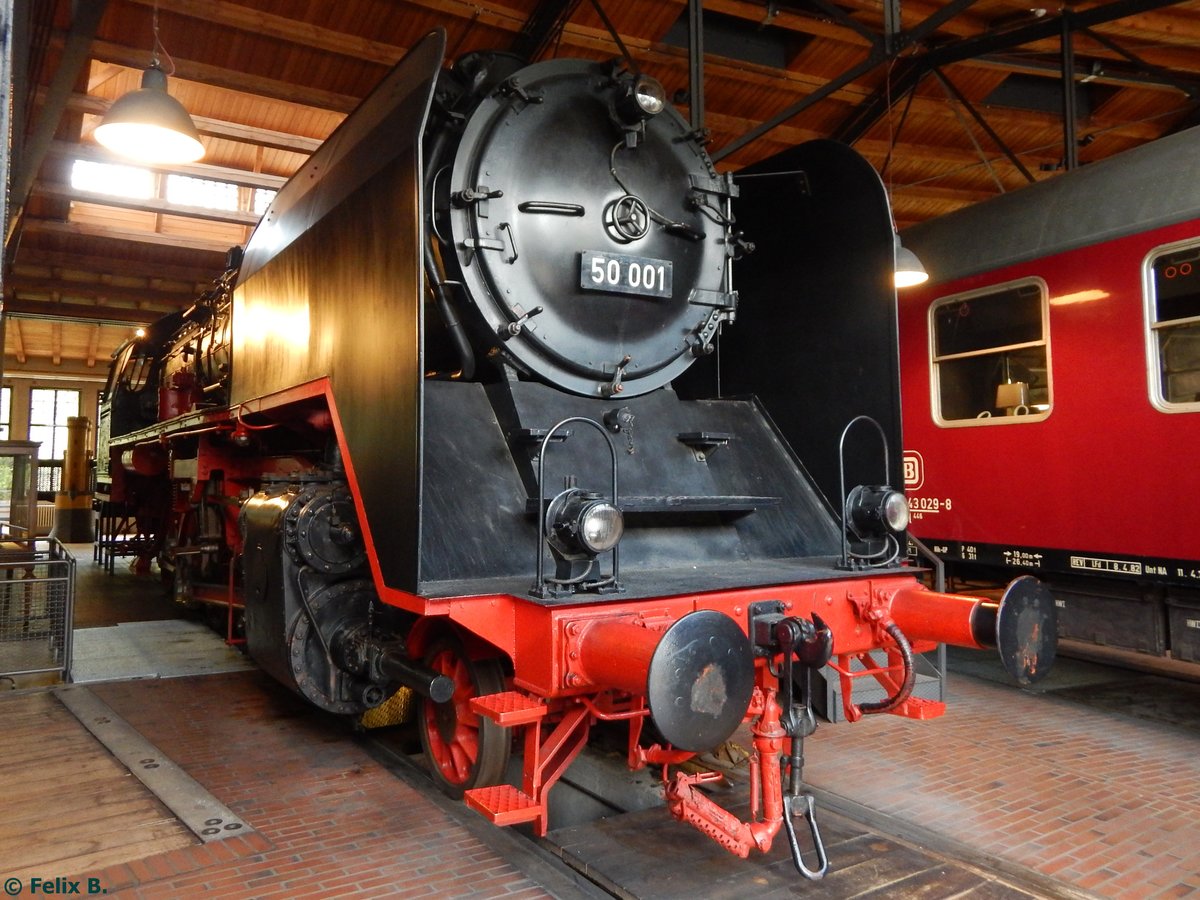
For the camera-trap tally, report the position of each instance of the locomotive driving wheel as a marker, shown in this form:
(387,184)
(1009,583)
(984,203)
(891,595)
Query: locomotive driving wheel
(464,749)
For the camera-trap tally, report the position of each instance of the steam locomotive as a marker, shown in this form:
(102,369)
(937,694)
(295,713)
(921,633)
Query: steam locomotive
(1056,351)
(469,418)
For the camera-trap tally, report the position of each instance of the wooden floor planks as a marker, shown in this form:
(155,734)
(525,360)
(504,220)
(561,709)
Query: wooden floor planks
(66,805)
(649,856)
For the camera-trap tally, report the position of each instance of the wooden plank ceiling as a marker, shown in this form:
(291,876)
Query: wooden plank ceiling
(952,102)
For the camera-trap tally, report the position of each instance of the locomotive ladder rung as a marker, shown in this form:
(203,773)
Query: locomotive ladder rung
(503,804)
(509,708)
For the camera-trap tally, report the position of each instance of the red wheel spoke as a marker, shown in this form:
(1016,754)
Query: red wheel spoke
(464,749)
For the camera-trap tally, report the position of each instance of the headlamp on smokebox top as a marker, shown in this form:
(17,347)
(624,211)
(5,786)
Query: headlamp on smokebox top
(639,97)
(579,527)
(581,524)
(874,512)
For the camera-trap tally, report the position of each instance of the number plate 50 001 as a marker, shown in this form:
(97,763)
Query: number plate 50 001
(612,272)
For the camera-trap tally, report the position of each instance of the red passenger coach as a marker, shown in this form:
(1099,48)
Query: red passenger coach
(1051,388)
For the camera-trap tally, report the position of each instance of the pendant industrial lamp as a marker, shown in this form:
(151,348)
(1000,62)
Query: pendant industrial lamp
(150,125)
(909,272)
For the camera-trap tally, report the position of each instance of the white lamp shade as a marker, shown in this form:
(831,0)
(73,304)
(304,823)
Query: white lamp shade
(909,271)
(149,125)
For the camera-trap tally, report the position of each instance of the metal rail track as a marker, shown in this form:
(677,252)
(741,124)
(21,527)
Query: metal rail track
(646,855)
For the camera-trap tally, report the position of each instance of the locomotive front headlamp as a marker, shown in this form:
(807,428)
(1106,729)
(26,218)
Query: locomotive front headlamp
(875,511)
(600,526)
(642,98)
(650,95)
(583,524)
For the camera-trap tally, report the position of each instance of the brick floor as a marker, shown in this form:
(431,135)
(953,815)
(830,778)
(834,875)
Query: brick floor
(1107,803)
(329,820)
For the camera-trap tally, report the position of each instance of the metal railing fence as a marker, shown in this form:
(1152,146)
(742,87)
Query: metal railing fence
(37,607)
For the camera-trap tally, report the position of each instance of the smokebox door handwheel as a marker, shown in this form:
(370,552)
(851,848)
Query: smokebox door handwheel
(576,195)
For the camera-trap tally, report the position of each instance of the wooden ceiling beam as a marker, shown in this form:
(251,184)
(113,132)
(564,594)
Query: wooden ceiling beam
(597,39)
(1157,28)
(93,346)
(96,290)
(18,338)
(1149,26)
(17,309)
(914,13)
(961,196)
(1114,74)
(149,204)
(873,149)
(788,20)
(50,226)
(107,267)
(513,19)
(293,31)
(263,137)
(647,50)
(218,128)
(217,76)
(493,15)
(93,153)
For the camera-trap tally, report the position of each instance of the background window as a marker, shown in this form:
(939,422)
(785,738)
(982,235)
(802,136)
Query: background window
(1174,307)
(5,412)
(990,354)
(49,410)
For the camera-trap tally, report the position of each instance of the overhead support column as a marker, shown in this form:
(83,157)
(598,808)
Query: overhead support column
(696,65)
(1070,114)
(891,27)
(543,28)
(85,20)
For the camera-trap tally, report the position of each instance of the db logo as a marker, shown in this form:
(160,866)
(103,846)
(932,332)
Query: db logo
(914,470)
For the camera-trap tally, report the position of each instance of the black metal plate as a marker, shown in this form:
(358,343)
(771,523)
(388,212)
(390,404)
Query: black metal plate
(1027,630)
(700,680)
(621,274)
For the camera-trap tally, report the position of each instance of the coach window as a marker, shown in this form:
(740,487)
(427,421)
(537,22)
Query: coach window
(1173,318)
(990,355)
